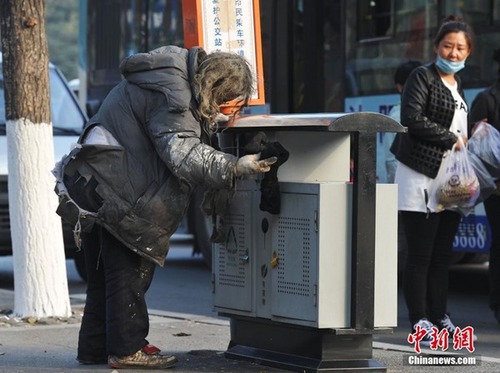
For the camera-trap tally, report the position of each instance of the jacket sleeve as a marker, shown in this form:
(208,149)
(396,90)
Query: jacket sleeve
(414,115)
(176,138)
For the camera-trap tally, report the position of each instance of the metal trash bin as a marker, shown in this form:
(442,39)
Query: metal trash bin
(306,289)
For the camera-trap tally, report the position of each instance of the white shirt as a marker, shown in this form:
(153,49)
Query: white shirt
(412,184)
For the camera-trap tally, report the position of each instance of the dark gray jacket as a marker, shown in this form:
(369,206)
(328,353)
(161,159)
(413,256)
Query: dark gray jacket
(427,109)
(143,186)
(487,105)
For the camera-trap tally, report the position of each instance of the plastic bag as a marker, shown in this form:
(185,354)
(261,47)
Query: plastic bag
(487,183)
(456,186)
(485,143)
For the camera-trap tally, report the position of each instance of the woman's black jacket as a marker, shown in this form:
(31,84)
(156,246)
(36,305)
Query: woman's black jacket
(427,110)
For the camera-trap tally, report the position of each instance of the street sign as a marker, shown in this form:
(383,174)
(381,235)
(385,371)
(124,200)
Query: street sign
(227,26)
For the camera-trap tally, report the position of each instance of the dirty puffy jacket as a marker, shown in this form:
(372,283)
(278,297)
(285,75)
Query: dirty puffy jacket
(146,181)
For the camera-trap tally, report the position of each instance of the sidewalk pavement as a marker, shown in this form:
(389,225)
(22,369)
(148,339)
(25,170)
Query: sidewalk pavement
(198,342)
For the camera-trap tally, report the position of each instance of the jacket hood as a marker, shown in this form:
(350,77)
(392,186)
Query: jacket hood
(168,69)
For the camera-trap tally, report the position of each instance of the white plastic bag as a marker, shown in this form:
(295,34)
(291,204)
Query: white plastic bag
(456,186)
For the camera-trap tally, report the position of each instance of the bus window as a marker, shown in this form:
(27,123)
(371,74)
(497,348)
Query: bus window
(164,23)
(117,29)
(390,32)
(479,71)
(475,12)
(374,19)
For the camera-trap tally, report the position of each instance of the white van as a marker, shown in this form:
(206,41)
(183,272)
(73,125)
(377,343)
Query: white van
(68,120)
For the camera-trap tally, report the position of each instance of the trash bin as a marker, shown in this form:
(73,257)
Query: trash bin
(305,289)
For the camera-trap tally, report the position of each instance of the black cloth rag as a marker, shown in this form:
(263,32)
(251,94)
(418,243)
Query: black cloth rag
(270,197)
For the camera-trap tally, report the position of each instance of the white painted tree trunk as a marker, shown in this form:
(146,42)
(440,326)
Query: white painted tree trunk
(40,279)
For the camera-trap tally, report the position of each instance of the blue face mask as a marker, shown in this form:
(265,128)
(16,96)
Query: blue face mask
(449,67)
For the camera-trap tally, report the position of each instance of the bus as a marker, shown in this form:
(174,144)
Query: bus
(319,56)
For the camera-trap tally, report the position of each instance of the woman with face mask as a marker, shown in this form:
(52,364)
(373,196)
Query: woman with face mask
(434,110)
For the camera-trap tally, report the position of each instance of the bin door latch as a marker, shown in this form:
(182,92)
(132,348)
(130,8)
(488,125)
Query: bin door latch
(245,258)
(274,260)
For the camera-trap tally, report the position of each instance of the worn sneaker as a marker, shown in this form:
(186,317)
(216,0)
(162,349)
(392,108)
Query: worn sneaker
(425,325)
(148,357)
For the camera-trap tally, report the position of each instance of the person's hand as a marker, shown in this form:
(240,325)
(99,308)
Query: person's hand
(252,164)
(476,125)
(461,142)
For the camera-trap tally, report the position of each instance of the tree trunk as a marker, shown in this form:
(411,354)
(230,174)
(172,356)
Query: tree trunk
(40,280)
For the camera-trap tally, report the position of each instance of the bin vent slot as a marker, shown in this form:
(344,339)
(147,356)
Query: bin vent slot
(232,271)
(294,253)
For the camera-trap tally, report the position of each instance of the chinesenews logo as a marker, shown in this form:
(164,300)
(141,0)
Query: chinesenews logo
(463,338)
